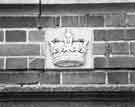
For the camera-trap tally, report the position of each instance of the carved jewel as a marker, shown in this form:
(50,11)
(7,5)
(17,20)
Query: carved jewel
(68,52)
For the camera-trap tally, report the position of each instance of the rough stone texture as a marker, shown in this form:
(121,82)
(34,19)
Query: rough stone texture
(82,21)
(99,48)
(118,78)
(16,36)
(19,50)
(16,63)
(37,36)
(36,63)
(109,35)
(83,78)
(120,48)
(50,78)
(19,78)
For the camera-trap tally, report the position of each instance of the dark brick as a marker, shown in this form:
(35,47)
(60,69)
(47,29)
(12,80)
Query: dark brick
(19,49)
(118,77)
(82,21)
(99,48)
(100,62)
(16,63)
(1,63)
(1,36)
(130,34)
(36,63)
(132,48)
(18,22)
(16,36)
(50,78)
(109,35)
(115,20)
(83,78)
(132,77)
(49,21)
(36,36)
(120,48)
(19,77)
(130,20)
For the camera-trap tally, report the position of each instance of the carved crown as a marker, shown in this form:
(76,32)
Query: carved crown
(68,52)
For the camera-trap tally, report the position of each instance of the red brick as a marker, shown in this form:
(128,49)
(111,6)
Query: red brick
(130,20)
(115,20)
(83,78)
(16,36)
(120,48)
(82,21)
(19,49)
(37,36)
(132,77)
(130,34)
(16,63)
(100,62)
(19,77)
(36,63)
(50,78)
(118,77)
(49,21)
(109,35)
(18,22)
(99,48)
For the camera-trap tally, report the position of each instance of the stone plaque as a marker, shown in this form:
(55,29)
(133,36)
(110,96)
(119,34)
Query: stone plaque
(69,48)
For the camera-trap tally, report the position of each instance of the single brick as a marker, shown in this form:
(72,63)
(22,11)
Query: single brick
(1,63)
(82,21)
(16,36)
(115,20)
(130,20)
(109,35)
(19,77)
(100,62)
(120,48)
(16,63)
(130,34)
(18,22)
(49,21)
(83,77)
(19,49)
(132,48)
(132,77)
(118,77)
(50,78)
(36,36)
(1,36)
(99,48)
(36,63)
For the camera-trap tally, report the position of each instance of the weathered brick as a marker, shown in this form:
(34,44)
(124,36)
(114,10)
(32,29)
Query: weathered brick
(100,62)
(99,48)
(118,77)
(16,36)
(1,63)
(36,63)
(130,34)
(49,21)
(1,36)
(16,63)
(130,20)
(132,77)
(50,78)
(83,78)
(120,48)
(132,48)
(82,21)
(19,49)
(115,20)
(18,22)
(19,77)
(109,35)
(36,36)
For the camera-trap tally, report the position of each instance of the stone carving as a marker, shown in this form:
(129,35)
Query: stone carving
(69,52)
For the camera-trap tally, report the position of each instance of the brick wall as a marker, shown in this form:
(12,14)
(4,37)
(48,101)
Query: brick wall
(22,45)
